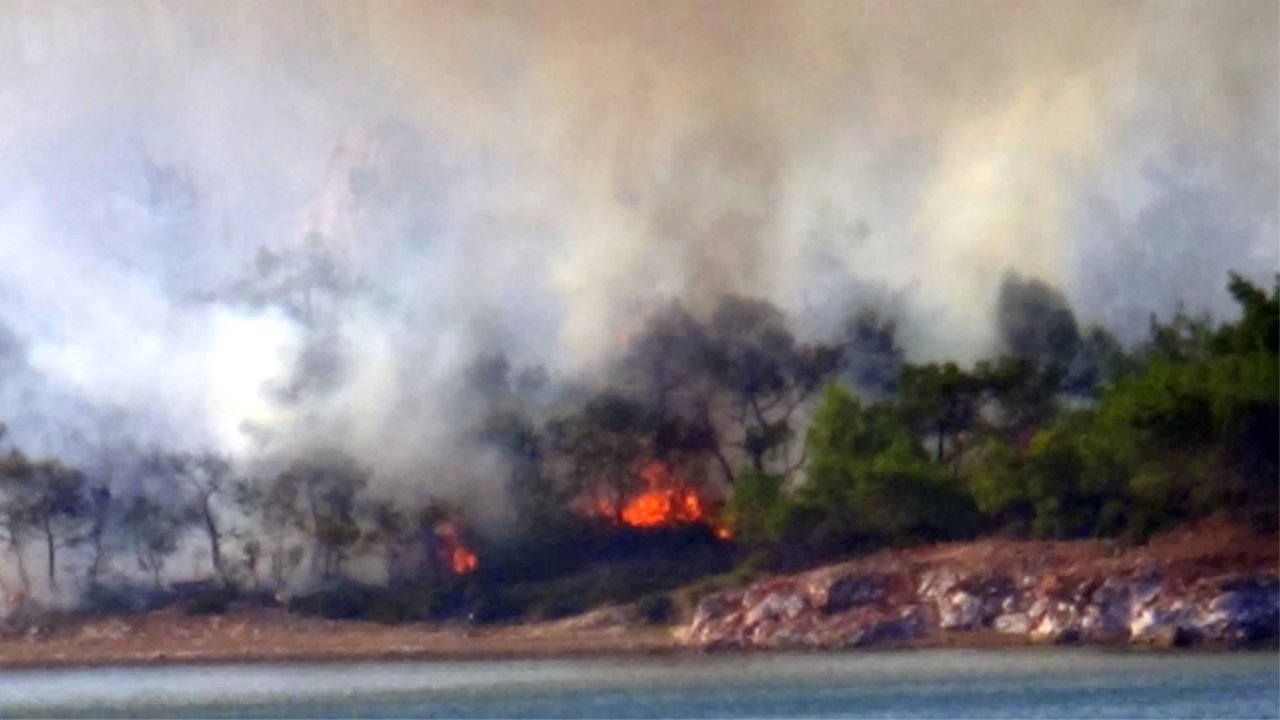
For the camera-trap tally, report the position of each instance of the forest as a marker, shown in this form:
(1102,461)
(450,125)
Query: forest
(713,450)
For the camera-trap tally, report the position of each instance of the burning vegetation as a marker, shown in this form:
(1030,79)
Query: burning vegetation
(457,556)
(617,497)
(662,500)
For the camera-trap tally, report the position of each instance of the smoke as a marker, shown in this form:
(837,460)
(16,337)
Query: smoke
(266,227)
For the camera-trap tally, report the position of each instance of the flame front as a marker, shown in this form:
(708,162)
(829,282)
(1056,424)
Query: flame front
(666,500)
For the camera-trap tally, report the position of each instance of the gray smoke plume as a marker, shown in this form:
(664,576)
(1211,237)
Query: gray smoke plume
(265,227)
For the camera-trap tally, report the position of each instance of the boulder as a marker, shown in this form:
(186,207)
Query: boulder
(1161,626)
(875,629)
(875,603)
(892,631)
(1013,624)
(716,606)
(959,610)
(775,606)
(1105,622)
(1060,623)
(1145,589)
(1249,612)
(843,592)
(937,582)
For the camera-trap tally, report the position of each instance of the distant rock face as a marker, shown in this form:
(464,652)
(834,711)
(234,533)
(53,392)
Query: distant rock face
(883,603)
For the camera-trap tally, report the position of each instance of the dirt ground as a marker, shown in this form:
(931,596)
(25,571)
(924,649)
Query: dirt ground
(273,635)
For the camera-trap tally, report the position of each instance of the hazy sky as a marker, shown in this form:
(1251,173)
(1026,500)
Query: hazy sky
(533,176)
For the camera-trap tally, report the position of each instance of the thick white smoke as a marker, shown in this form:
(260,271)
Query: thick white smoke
(264,226)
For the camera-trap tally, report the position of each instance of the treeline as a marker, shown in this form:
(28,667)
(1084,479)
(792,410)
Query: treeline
(803,451)
(826,449)
(154,510)
(1062,437)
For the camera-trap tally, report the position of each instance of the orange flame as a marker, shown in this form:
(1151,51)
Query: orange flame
(461,560)
(666,500)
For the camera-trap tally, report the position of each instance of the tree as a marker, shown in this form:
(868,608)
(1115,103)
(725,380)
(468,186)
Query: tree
(40,498)
(767,376)
(153,532)
(1258,330)
(1099,360)
(393,530)
(940,401)
(596,451)
(668,369)
(870,483)
(328,488)
(57,508)
(1197,427)
(757,507)
(1188,430)
(1035,323)
(1011,398)
(208,478)
(16,491)
(666,364)
(538,500)
(99,512)
(273,505)
(872,359)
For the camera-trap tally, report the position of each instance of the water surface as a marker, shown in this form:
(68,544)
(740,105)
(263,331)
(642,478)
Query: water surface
(1030,683)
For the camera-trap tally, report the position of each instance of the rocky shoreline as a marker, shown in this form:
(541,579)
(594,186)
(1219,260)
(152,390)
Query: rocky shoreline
(1212,588)
(1205,587)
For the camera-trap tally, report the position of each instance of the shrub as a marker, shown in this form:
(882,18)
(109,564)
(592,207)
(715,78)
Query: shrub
(655,609)
(211,601)
(345,601)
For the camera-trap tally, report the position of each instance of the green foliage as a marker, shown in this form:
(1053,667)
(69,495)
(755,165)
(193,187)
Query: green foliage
(1185,428)
(1187,431)
(757,507)
(941,402)
(1197,427)
(1064,435)
(870,483)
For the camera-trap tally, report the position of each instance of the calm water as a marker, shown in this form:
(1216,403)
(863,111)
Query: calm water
(944,683)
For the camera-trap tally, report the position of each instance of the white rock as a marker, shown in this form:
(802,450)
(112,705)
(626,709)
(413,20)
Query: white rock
(959,611)
(775,606)
(1013,624)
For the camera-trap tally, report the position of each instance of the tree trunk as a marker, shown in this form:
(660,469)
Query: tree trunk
(51,549)
(215,550)
(95,566)
(729,476)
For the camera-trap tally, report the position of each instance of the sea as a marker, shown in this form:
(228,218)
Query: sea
(946,683)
